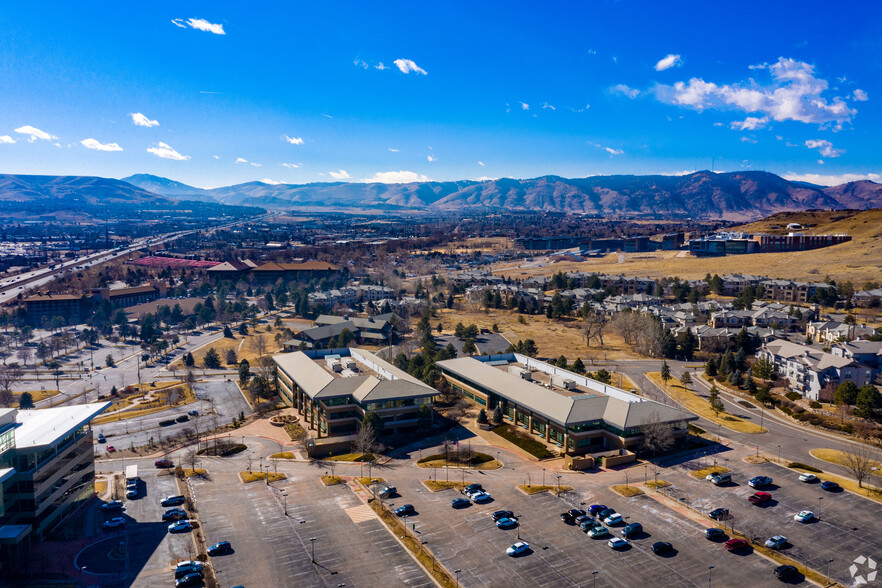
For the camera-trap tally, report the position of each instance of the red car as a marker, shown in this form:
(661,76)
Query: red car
(760,497)
(111,449)
(736,544)
(164,463)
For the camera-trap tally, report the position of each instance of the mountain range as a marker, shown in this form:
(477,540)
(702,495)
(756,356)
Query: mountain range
(740,196)
(737,196)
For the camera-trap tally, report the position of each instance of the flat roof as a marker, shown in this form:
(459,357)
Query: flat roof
(46,427)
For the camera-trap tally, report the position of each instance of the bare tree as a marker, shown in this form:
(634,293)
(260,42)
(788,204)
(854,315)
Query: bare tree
(190,458)
(860,458)
(593,327)
(658,436)
(259,344)
(9,376)
(366,440)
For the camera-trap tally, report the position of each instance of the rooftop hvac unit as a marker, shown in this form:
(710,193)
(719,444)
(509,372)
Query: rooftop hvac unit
(336,366)
(349,364)
(569,385)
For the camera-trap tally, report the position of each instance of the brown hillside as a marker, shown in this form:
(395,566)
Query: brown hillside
(858,261)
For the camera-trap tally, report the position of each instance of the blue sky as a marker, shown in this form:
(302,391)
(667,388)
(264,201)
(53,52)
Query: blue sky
(216,93)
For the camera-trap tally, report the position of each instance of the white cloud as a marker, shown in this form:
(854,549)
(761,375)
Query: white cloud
(485,179)
(860,96)
(481,163)
(831,180)
(592,52)
(34,133)
(327,115)
(751,123)
(361,63)
(251,163)
(165,151)
(340,174)
(794,94)
(408,66)
(291,165)
(625,90)
(524,106)
(394,177)
(216,156)
(141,120)
(431,158)
(96,146)
(394,150)
(380,66)
(824,147)
(547,105)
(748,140)
(612,151)
(293,140)
(668,62)
(271,182)
(6,139)
(200,24)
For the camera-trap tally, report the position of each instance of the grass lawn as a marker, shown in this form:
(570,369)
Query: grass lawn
(531,489)
(188,472)
(532,446)
(247,477)
(365,481)
(479,461)
(839,458)
(100,487)
(657,484)
(294,430)
(553,338)
(142,409)
(626,491)
(351,457)
(436,486)
(244,352)
(700,406)
(331,480)
(705,472)
(37,395)
(283,455)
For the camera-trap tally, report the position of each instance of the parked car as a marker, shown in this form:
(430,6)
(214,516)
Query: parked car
(776,542)
(605,513)
(481,497)
(736,544)
(719,514)
(660,547)
(500,514)
(190,568)
(803,516)
(192,579)
(186,563)
(631,530)
(114,523)
(614,519)
(112,505)
(131,492)
(387,491)
(407,509)
(518,548)
(830,486)
(180,527)
(193,412)
(714,534)
(182,419)
(111,449)
(596,508)
(164,463)
(808,478)
(174,514)
(589,524)
(220,547)
(786,572)
(472,488)
(101,438)
(759,498)
(569,517)
(617,543)
(760,482)
(598,532)
(720,479)
(173,500)
(460,502)
(507,523)
(583,518)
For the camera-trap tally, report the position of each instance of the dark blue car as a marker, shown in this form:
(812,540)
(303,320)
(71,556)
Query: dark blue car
(596,508)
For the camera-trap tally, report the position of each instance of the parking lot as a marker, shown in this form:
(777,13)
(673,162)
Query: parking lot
(467,539)
(351,545)
(848,527)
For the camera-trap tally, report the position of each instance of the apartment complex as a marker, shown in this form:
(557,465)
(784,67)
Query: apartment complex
(333,389)
(572,414)
(75,309)
(47,471)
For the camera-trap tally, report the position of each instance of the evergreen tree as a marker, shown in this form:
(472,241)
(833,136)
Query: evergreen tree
(188,360)
(710,368)
(716,403)
(212,359)
(665,373)
(26,401)
(578,366)
(497,414)
(244,371)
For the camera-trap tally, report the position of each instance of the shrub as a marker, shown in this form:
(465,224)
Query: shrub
(786,410)
(482,417)
(531,446)
(802,466)
(815,404)
(794,396)
(847,428)
(696,430)
(798,409)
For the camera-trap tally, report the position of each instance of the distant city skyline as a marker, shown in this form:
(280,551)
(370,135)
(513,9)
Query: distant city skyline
(226,93)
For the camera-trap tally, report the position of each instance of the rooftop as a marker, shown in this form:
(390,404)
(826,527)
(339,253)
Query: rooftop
(46,427)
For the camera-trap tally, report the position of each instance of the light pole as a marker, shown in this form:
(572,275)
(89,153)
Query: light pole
(779,454)
(312,541)
(519,517)
(594,579)
(405,527)
(558,476)
(709,570)
(285,496)
(497,459)
(828,570)
(644,474)
(543,477)
(820,498)
(457,572)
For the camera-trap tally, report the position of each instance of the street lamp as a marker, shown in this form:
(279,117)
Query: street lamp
(820,498)
(828,569)
(457,572)
(779,454)
(543,477)
(594,579)
(312,541)
(405,527)
(709,569)
(285,496)
(519,517)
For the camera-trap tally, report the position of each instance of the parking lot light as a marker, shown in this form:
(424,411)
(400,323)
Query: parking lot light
(828,570)
(594,579)
(457,572)
(709,570)
(820,498)
(312,542)
(518,517)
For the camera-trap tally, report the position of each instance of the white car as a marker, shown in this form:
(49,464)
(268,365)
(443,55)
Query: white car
(518,548)
(803,516)
(113,523)
(776,542)
(808,477)
(479,497)
(613,519)
(617,543)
